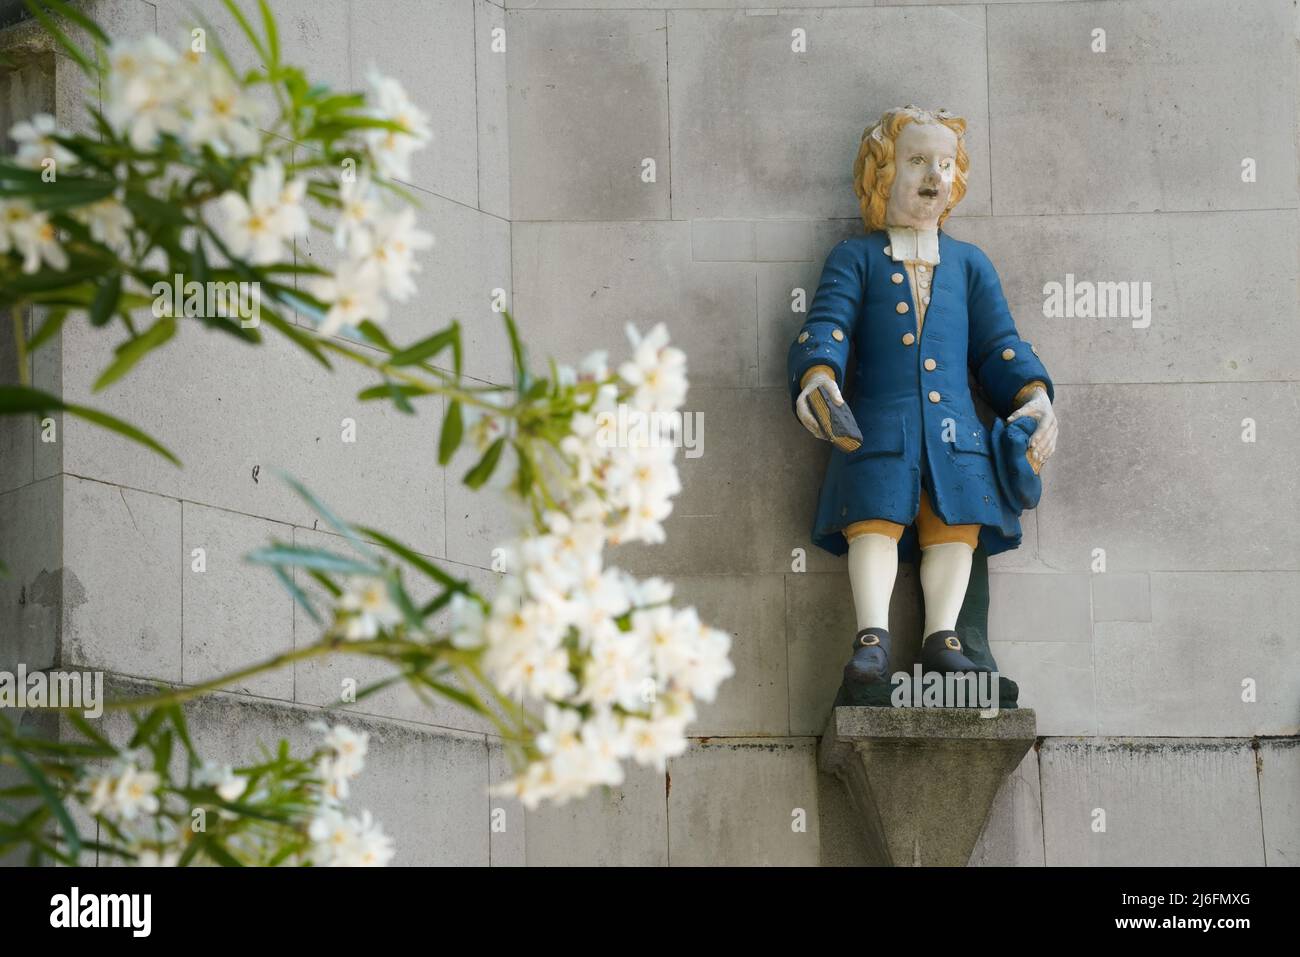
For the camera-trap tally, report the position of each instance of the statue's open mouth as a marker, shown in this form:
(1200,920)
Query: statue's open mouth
(928,192)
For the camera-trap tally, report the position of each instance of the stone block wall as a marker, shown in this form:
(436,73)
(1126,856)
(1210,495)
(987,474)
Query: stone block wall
(669,160)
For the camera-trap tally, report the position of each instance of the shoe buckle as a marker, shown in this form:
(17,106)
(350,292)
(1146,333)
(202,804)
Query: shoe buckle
(868,641)
(952,643)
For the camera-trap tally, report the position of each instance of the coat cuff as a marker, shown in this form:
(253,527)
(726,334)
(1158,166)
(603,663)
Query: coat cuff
(827,370)
(1023,395)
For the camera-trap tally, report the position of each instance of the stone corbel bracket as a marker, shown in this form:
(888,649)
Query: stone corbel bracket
(922,780)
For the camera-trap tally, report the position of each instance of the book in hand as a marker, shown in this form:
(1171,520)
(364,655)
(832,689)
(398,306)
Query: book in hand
(836,421)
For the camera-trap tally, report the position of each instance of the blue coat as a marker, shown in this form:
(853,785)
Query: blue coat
(913,419)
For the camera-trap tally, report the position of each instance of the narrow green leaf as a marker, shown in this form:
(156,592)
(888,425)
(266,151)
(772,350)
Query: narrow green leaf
(244,25)
(325,512)
(427,348)
(105,302)
(79,18)
(133,350)
(146,726)
(455,694)
(419,561)
(389,390)
(298,595)
(114,424)
(272,35)
(219,854)
(453,429)
(49,328)
(61,38)
(516,351)
(375,335)
(480,473)
(316,558)
(52,801)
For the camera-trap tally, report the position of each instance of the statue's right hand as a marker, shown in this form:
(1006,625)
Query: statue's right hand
(802,409)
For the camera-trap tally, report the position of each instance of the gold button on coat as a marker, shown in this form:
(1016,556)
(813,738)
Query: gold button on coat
(908,338)
(896,278)
(1008,354)
(930,365)
(837,335)
(901,308)
(921,268)
(803,337)
(934,396)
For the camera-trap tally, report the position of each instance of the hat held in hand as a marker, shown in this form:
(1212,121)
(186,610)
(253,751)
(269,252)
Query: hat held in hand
(1017,474)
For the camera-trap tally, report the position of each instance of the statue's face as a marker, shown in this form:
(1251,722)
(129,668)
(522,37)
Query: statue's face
(925,162)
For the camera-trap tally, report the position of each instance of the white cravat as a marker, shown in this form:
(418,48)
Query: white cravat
(907,244)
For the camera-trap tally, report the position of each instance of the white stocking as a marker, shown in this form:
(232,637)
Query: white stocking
(945,572)
(873,565)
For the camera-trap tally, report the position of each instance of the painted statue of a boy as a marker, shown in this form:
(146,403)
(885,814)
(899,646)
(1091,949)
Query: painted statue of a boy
(901,316)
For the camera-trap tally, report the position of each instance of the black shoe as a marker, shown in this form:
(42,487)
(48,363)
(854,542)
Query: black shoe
(942,652)
(870,661)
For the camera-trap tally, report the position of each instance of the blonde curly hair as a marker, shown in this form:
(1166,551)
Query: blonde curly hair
(873,170)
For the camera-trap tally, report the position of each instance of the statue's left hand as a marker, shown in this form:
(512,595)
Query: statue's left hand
(1043,442)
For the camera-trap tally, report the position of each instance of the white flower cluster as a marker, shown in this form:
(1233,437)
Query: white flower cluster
(339,839)
(130,797)
(152,91)
(379,241)
(123,792)
(617,669)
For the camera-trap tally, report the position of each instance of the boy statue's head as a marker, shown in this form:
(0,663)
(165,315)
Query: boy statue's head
(911,168)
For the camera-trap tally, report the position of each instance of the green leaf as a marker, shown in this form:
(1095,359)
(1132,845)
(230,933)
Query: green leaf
(340,526)
(49,328)
(427,348)
(316,558)
(40,13)
(480,473)
(52,801)
(105,302)
(133,350)
(453,429)
(375,335)
(146,726)
(125,429)
(219,854)
(17,400)
(272,36)
(298,595)
(419,561)
(79,722)
(246,27)
(79,18)
(516,351)
(524,475)
(400,401)
(447,691)
(199,263)
(148,209)
(390,390)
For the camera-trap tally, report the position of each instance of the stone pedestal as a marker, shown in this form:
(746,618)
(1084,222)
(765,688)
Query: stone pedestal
(922,780)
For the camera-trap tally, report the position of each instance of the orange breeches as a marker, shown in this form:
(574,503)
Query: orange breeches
(930,528)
